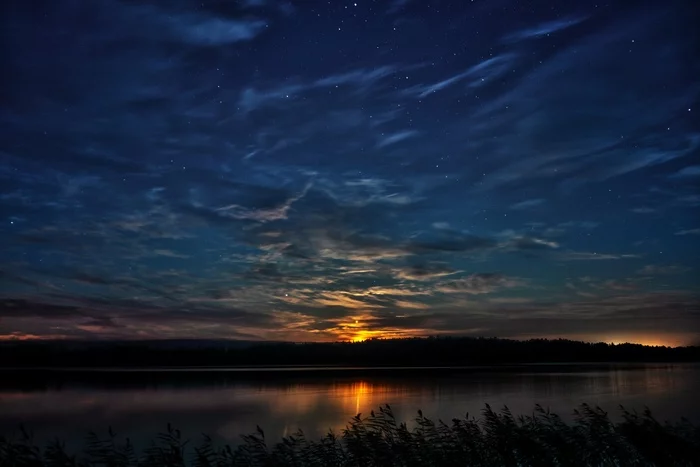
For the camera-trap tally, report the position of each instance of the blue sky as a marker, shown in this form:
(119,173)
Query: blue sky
(340,170)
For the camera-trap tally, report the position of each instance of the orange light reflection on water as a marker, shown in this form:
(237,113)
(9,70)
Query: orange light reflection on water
(318,404)
(349,398)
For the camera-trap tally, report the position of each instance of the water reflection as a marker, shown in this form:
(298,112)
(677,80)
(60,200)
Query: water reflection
(233,406)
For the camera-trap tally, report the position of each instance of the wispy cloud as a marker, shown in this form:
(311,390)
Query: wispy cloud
(169,254)
(586,225)
(662,269)
(688,201)
(254,3)
(592,256)
(396,138)
(343,300)
(194,28)
(216,31)
(544,29)
(527,204)
(360,192)
(519,242)
(688,232)
(597,153)
(477,284)
(425,272)
(423,91)
(363,79)
(252,99)
(263,214)
(397,5)
(481,73)
(687,172)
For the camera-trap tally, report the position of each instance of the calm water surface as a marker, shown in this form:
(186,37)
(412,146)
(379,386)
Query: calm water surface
(228,404)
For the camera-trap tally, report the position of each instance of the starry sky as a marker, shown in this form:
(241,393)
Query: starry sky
(339,170)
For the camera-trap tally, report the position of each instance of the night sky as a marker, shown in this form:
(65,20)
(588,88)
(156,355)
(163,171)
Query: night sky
(270,170)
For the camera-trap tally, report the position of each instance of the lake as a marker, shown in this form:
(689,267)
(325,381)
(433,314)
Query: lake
(226,403)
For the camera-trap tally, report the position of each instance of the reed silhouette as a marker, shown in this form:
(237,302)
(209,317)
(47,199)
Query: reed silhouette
(495,439)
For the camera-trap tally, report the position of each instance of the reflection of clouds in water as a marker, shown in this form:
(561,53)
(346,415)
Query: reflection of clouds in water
(281,408)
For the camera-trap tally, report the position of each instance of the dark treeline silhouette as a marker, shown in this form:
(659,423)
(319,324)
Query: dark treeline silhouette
(432,351)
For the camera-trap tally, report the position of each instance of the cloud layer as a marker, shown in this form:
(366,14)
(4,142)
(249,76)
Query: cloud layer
(254,170)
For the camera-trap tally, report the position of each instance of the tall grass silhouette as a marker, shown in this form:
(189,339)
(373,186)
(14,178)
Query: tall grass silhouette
(497,438)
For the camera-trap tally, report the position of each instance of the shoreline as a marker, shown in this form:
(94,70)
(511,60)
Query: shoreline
(505,367)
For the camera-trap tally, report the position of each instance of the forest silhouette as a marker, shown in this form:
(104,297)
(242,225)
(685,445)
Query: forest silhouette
(413,352)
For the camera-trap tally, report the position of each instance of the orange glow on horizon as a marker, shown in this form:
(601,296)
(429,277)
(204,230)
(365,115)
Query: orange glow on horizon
(20,336)
(365,335)
(360,328)
(654,342)
(667,340)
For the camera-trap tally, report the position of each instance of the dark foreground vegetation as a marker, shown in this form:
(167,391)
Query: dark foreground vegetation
(496,439)
(434,351)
